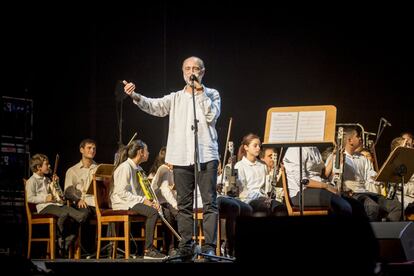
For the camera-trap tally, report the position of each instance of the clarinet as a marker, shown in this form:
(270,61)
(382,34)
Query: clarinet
(338,166)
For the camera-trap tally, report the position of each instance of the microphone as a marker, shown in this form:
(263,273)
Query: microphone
(385,121)
(193,78)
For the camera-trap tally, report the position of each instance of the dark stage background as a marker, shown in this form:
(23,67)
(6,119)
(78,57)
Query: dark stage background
(69,61)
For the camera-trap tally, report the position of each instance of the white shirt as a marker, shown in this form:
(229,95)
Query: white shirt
(127,191)
(37,189)
(179,106)
(358,168)
(252,176)
(163,184)
(312,166)
(81,177)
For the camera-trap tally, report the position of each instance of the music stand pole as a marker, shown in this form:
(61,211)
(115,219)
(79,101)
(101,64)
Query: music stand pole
(402,171)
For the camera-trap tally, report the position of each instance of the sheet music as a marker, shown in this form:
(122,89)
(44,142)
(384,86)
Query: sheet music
(300,126)
(311,126)
(283,126)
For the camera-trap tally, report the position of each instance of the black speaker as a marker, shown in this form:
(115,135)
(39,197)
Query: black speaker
(396,240)
(323,245)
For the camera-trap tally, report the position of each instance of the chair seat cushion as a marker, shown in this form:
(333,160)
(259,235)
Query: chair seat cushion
(110,212)
(310,208)
(39,216)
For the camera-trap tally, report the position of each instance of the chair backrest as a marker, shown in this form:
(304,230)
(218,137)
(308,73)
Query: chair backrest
(30,207)
(102,179)
(26,203)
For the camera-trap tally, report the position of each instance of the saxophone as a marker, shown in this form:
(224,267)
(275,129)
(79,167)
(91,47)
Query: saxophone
(54,186)
(149,193)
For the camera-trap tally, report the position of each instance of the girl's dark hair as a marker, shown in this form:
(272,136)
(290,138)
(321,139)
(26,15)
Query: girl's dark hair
(125,152)
(245,142)
(129,151)
(160,160)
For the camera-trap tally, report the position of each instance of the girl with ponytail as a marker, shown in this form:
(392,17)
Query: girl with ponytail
(127,194)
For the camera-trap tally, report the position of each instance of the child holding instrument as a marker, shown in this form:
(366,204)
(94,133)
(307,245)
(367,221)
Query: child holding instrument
(39,192)
(127,193)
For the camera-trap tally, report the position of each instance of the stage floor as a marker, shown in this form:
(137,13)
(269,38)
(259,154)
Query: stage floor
(139,265)
(22,266)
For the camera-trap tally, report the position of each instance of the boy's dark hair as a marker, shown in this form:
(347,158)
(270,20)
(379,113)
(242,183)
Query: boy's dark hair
(37,161)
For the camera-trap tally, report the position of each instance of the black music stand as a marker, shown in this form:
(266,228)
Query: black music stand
(398,167)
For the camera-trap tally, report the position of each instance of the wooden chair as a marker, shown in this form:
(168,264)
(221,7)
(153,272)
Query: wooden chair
(200,235)
(33,218)
(295,210)
(106,215)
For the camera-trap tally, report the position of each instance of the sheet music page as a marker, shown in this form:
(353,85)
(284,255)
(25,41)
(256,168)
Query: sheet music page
(311,126)
(283,127)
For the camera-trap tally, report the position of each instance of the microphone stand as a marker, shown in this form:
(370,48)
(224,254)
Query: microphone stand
(197,169)
(381,126)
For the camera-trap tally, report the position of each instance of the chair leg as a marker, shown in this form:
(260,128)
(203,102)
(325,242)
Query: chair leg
(52,240)
(48,249)
(29,241)
(155,239)
(114,249)
(115,229)
(200,233)
(98,245)
(126,234)
(78,245)
(164,243)
(218,242)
